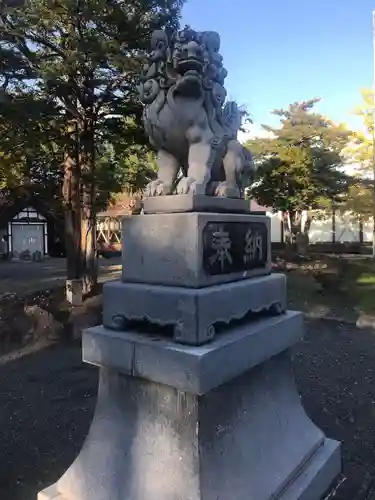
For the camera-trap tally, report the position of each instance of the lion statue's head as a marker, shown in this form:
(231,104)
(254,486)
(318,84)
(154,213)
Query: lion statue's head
(189,61)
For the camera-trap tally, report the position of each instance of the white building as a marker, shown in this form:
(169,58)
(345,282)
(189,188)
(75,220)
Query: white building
(27,235)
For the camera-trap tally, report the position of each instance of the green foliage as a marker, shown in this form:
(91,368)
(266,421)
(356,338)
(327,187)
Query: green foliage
(138,167)
(85,53)
(30,157)
(365,109)
(359,153)
(80,59)
(131,164)
(122,168)
(299,164)
(360,149)
(359,200)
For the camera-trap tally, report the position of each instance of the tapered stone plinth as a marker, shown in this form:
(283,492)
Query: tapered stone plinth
(220,421)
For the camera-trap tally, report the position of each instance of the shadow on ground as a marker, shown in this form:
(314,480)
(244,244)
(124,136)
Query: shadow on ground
(47,401)
(335,371)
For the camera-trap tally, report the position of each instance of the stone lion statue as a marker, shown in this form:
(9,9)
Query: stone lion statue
(187,120)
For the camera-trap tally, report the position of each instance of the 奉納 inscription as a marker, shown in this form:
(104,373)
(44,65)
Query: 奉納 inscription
(230,247)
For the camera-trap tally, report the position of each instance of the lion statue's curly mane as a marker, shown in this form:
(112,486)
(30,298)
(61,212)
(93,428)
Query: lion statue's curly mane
(187,120)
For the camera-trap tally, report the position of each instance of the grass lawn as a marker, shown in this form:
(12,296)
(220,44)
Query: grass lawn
(331,286)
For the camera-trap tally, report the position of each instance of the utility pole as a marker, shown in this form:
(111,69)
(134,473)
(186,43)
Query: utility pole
(373,139)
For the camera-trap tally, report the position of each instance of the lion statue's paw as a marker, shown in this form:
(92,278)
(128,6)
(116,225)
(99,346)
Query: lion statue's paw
(185,185)
(225,191)
(191,186)
(154,188)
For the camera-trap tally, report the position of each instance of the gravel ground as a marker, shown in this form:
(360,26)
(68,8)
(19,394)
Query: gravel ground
(335,369)
(47,400)
(26,277)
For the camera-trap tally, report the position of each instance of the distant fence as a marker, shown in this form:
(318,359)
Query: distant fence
(331,228)
(108,235)
(325,231)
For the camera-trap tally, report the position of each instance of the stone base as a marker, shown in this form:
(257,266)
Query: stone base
(194,203)
(192,313)
(174,249)
(247,437)
(311,484)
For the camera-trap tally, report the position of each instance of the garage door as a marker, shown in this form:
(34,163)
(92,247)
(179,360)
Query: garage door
(27,237)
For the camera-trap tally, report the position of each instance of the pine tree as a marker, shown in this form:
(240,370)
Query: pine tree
(84,57)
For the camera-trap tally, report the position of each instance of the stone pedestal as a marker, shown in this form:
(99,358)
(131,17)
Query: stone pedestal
(197,399)
(219,421)
(193,272)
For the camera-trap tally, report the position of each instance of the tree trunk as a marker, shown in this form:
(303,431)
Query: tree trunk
(296,239)
(300,237)
(303,237)
(287,228)
(72,214)
(89,261)
(308,222)
(288,237)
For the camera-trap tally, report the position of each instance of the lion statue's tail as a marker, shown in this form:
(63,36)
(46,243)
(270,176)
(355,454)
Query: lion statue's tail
(232,117)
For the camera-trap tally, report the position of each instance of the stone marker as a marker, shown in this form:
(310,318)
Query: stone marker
(197,398)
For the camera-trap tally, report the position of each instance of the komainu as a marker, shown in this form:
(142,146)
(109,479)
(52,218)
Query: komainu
(188,120)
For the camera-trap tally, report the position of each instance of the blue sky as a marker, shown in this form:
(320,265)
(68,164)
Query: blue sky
(280,51)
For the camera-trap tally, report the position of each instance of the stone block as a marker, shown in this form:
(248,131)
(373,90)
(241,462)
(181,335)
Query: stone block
(249,439)
(192,369)
(195,249)
(50,493)
(194,203)
(192,314)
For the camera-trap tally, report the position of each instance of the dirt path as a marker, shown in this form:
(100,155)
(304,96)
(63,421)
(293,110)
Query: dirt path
(47,400)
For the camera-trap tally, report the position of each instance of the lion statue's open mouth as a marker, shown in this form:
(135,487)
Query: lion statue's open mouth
(190,65)
(189,85)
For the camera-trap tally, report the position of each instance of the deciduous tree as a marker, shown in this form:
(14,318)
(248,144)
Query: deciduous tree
(299,165)
(359,154)
(359,150)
